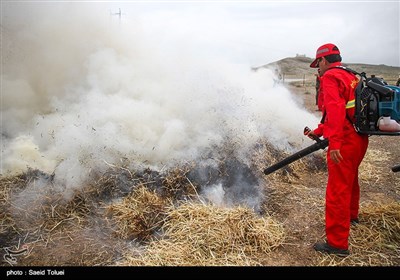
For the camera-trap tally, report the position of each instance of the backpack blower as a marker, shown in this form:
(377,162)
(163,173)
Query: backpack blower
(377,110)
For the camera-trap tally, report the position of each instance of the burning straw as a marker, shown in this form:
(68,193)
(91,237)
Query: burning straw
(139,215)
(7,224)
(56,231)
(199,234)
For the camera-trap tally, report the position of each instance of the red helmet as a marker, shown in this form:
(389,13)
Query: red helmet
(324,50)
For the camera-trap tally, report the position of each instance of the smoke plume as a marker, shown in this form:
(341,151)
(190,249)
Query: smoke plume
(81,90)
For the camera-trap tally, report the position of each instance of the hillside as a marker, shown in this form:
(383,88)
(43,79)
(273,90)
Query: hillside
(299,66)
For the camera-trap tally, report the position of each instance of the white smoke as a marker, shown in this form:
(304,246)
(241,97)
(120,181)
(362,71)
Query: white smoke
(215,194)
(80,90)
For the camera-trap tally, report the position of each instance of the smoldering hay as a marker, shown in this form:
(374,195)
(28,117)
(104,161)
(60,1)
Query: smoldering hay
(81,92)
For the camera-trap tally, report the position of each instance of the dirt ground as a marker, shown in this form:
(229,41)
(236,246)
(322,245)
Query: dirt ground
(303,218)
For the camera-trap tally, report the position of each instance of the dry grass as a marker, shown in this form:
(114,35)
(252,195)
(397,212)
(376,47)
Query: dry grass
(177,186)
(57,230)
(372,168)
(7,223)
(139,215)
(151,219)
(207,235)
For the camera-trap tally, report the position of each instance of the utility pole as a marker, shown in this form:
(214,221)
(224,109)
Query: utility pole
(119,14)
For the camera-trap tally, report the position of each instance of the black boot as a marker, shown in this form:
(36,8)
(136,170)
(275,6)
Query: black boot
(326,248)
(354,222)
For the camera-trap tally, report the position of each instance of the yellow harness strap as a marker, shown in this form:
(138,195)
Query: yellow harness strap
(351,104)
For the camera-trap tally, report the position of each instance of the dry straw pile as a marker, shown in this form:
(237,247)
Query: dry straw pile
(147,218)
(207,235)
(139,215)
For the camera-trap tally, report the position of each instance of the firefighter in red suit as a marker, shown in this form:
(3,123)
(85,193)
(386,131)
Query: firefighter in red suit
(345,152)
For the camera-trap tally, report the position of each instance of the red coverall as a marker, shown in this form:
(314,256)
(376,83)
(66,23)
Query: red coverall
(343,190)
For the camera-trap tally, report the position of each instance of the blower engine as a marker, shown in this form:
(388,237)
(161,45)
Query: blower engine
(377,107)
